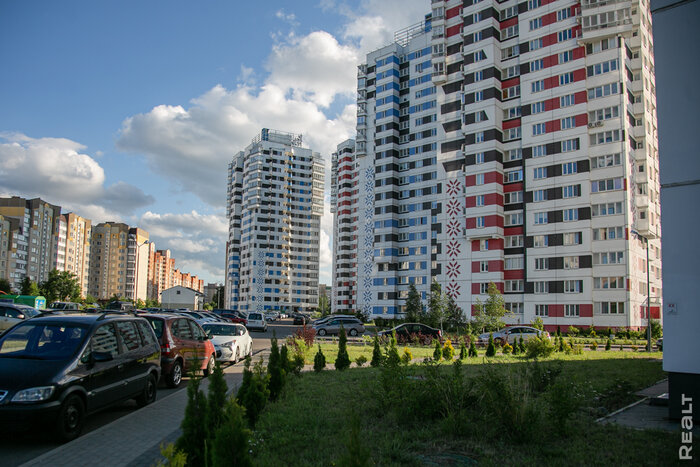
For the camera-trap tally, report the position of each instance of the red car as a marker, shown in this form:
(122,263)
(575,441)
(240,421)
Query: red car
(235,317)
(184,345)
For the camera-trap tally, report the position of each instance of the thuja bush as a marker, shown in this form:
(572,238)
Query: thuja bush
(392,357)
(472,350)
(463,351)
(507,348)
(608,344)
(319,360)
(516,347)
(448,351)
(253,392)
(437,353)
(521,344)
(376,353)
(194,426)
(491,348)
(231,438)
(361,360)
(342,361)
(406,356)
(275,370)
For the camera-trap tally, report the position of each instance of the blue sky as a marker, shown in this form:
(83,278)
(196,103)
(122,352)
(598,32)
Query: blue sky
(129,111)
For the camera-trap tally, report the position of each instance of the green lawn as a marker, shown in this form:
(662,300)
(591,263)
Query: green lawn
(311,423)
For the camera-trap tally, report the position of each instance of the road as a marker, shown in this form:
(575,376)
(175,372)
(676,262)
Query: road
(18,448)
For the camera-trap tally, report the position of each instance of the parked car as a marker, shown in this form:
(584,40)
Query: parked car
(120,305)
(271,316)
(235,317)
(231,341)
(11,314)
(197,316)
(256,321)
(213,316)
(64,306)
(512,333)
(352,326)
(325,319)
(56,369)
(184,345)
(407,331)
(300,318)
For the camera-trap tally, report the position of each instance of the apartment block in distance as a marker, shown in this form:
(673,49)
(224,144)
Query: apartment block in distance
(514,143)
(274,209)
(72,247)
(32,232)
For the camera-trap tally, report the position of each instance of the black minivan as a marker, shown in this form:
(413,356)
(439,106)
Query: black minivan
(56,369)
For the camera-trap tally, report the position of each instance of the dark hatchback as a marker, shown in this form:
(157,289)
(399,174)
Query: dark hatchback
(418,332)
(56,369)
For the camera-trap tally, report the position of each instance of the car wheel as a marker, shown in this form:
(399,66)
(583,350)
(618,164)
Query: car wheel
(149,392)
(353,332)
(210,366)
(321,332)
(175,377)
(71,418)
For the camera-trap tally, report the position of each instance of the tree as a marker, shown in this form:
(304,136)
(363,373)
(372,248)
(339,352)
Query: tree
(61,285)
(230,446)
(414,307)
(217,300)
(5,286)
(454,316)
(376,353)
(436,305)
(89,300)
(488,315)
(537,323)
(342,361)
(324,305)
(437,353)
(491,349)
(253,393)
(275,370)
(194,426)
(216,400)
(319,360)
(29,287)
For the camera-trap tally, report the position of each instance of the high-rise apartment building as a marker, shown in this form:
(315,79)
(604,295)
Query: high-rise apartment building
(274,208)
(137,266)
(72,247)
(33,223)
(161,272)
(108,260)
(514,143)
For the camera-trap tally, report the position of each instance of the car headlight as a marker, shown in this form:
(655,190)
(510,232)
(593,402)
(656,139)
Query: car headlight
(229,345)
(34,394)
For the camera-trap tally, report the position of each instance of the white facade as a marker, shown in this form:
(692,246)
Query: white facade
(512,143)
(182,297)
(274,208)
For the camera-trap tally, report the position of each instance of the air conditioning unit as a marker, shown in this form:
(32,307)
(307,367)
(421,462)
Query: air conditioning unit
(591,125)
(600,123)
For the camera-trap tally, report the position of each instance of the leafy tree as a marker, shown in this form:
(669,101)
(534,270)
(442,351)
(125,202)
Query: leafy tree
(5,286)
(319,360)
(217,300)
(231,438)
(436,306)
(89,300)
(537,323)
(61,285)
(29,287)
(342,361)
(324,305)
(414,307)
(488,315)
(491,348)
(140,304)
(194,426)
(656,329)
(275,370)
(376,353)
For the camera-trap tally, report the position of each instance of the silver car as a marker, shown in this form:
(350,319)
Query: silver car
(512,333)
(352,326)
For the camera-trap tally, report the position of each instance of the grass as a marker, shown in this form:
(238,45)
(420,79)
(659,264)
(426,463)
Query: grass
(310,423)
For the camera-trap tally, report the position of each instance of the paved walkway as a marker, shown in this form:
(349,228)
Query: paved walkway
(135,439)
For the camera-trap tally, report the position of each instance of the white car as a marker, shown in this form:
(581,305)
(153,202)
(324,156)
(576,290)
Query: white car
(256,320)
(513,333)
(271,316)
(231,341)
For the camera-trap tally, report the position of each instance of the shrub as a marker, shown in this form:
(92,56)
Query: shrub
(392,358)
(406,356)
(437,353)
(656,330)
(285,363)
(253,392)
(472,350)
(173,457)
(319,360)
(194,426)
(572,331)
(307,334)
(342,361)
(507,348)
(491,348)
(361,360)
(561,344)
(592,333)
(563,402)
(539,347)
(274,369)
(462,351)
(515,347)
(593,346)
(216,400)
(608,344)
(521,344)
(558,332)
(448,352)
(376,353)
(356,454)
(230,441)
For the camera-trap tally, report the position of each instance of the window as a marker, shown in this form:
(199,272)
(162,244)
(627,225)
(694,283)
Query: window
(609,233)
(535,24)
(541,264)
(566,56)
(514,197)
(509,12)
(484,266)
(483,245)
(479,158)
(514,263)
(540,218)
(513,176)
(478,56)
(540,241)
(604,67)
(571,262)
(479,179)
(537,107)
(539,173)
(609,283)
(538,86)
(570,215)
(511,72)
(480,116)
(570,191)
(480,200)
(609,308)
(606,209)
(539,151)
(509,32)
(536,65)
(480,137)
(478,96)
(605,137)
(571,311)
(478,76)
(542,310)
(513,154)
(563,14)
(572,238)
(609,257)
(536,44)
(511,92)
(603,91)
(609,184)
(573,286)
(569,168)
(513,219)
(569,145)
(130,336)
(564,35)
(478,36)
(509,52)
(512,112)
(567,101)
(105,340)
(532,4)
(538,129)
(541,287)
(514,308)
(566,78)
(568,122)
(477,17)
(514,241)
(608,160)
(513,286)
(539,196)
(480,222)
(484,288)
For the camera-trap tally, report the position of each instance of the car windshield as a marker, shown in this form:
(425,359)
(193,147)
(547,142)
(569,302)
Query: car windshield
(157,325)
(57,306)
(50,341)
(223,330)
(254,316)
(29,311)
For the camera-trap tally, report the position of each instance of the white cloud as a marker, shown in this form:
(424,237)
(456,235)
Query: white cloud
(287,17)
(57,170)
(314,67)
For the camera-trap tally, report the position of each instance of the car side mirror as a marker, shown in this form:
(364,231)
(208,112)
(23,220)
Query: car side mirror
(102,356)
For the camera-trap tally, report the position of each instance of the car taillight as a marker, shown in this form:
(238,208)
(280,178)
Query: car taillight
(165,349)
